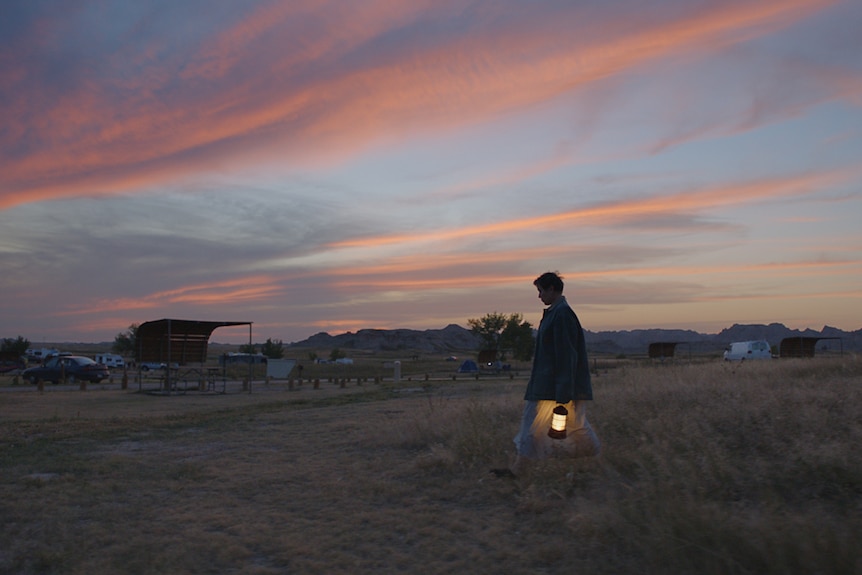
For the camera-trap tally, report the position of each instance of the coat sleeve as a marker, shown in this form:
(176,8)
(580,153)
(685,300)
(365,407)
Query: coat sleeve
(566,346)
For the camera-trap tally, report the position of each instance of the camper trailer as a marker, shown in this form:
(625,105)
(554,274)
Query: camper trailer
(742,350)
(110,359)
(40,354)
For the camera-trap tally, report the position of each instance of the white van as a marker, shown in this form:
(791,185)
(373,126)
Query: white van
(742,350)
(110,359)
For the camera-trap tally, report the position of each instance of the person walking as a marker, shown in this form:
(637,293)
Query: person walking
(560,377)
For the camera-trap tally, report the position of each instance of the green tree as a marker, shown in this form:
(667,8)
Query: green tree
(489,328)
(336,354)
(14,348)
(273,349)
(517,336)
(126,343)
(506,334)
(248,348)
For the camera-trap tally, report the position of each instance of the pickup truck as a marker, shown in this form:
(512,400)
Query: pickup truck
(152,366)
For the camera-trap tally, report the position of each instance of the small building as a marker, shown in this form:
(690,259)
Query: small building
(802,346)
(661,349)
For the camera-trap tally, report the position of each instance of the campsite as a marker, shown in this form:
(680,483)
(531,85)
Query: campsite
(707,467)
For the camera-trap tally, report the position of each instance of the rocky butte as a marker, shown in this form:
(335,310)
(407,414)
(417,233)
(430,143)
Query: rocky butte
(454,338)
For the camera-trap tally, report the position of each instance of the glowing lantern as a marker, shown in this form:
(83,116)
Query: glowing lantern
(558,423)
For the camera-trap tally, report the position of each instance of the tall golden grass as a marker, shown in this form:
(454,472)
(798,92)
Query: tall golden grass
(706,468)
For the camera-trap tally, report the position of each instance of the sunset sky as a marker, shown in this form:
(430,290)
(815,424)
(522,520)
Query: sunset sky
(331,166)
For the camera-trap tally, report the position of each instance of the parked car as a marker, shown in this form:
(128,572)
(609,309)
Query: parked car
(75,368)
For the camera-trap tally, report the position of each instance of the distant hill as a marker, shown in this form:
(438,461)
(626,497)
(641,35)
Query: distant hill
(450,338)
(456,338)
(637,341)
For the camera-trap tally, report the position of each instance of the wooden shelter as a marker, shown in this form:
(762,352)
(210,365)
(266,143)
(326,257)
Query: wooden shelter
(177,342)
(661,349)
(802,346)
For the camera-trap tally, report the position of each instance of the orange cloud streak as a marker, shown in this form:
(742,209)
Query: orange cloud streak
(92,145)
(778,296)
(615,212)
(445,272)
(217,293)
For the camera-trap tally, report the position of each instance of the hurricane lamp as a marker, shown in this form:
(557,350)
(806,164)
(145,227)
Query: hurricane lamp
(558,423)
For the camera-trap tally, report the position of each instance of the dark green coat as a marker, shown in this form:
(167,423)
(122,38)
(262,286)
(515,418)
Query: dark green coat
(561,371)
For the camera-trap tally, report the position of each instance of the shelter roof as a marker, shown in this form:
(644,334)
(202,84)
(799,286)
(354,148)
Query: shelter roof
(179,341)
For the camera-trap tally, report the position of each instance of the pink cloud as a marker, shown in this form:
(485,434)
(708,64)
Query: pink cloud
(611,213)
(172,118)
(221,293)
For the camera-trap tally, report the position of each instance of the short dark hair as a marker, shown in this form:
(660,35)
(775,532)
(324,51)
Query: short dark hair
(550,279)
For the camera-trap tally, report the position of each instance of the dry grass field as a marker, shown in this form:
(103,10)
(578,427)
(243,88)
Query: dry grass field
(707,468)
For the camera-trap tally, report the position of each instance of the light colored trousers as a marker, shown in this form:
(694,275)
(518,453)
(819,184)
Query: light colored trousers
(533,442)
